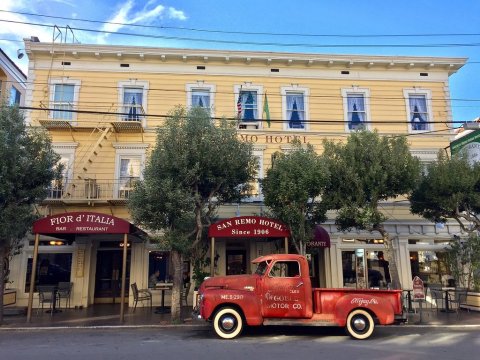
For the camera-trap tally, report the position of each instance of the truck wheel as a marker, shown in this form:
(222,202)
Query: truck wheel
(228,323)
(360,324)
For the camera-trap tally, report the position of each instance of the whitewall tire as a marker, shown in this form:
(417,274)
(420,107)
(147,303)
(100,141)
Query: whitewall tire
(228,323)
(360,324)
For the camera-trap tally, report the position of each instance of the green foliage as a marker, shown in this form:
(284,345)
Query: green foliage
(292,189)
(463,258)
(449,189)
(27,168)
(365,170)
(194,167)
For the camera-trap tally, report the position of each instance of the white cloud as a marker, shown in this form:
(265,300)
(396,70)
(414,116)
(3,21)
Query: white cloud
(149,13)
(176,14)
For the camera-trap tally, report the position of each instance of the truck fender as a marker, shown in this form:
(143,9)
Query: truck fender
(379,307)
(246,302)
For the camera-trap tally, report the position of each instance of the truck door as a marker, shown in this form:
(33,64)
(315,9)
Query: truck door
(284,291)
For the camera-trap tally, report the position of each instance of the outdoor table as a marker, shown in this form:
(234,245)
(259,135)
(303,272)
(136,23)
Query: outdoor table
(53,310)
(446,291)
(163,287)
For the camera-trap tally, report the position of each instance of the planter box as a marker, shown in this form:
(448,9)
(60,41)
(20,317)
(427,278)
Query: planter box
(473,301)
(9,297)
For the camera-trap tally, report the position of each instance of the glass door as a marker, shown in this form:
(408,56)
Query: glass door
(108,277)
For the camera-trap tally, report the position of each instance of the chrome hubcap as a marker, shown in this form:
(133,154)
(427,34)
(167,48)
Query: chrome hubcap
(359,324)
(228,323)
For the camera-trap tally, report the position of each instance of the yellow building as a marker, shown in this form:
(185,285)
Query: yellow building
(103,103)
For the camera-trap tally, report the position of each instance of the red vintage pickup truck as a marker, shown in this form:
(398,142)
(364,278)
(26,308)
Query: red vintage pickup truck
(280,293)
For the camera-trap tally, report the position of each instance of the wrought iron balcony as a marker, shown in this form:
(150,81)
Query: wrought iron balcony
(91,191)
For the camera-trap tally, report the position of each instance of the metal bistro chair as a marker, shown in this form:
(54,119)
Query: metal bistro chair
(184,294)
(457,298)
(436,296)
(140,295)
(46,295)
(64,292)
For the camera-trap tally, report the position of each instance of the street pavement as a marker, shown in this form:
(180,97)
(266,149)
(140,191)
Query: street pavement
(108,316)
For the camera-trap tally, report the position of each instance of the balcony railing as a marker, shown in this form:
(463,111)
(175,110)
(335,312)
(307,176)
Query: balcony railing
(87,190)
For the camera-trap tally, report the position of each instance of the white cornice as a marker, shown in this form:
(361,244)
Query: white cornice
(138,53)
(130,146)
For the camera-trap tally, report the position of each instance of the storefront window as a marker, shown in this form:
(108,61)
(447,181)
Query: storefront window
(158,266)
(430,266)
(51,269)
(365,269)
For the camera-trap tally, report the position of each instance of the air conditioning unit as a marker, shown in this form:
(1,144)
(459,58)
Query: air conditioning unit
(248,126)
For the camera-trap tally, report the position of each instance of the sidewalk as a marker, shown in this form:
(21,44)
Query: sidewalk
(108,316)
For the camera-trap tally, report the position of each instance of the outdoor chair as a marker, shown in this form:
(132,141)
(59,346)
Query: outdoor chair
(46,295)
(457,298)
(64,292)
(140,295)
(184,294)
(436,296)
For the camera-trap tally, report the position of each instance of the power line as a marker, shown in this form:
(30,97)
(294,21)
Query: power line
(92,112)
(183,92)
(236,42)
(245,32)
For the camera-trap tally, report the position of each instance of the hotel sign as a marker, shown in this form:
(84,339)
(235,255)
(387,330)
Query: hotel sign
(249,226)
(469,145)
(81,223)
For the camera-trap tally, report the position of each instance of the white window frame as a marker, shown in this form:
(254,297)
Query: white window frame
(66,150)
(210,88)
(249,87)
(125,151)
(133,84)
(76,91)
(428,100)
(366,97)
(284,91)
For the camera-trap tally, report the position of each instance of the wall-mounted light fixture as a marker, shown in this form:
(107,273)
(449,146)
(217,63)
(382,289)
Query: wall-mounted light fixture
(20,53)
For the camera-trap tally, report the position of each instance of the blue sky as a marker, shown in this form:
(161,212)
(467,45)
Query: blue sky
(228,22)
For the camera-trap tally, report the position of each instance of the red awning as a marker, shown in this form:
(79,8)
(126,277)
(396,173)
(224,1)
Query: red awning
(83,223)
(321,238)
(249,226)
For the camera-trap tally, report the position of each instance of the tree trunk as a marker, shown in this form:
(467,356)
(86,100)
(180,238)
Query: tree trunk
(177,286)
(2,281)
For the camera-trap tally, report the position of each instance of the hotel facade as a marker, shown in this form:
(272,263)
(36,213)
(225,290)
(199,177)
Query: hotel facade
(102,105)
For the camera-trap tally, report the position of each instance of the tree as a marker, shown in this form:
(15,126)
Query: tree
(463,258)
(28,167)
(194,167)
(292,189)
(449,189)
(365,171)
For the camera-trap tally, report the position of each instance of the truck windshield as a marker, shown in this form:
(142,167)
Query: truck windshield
(261,268)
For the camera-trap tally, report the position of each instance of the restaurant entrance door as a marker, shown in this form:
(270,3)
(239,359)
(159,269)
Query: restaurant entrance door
(108,276)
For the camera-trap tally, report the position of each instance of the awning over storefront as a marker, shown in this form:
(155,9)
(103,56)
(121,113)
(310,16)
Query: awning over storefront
(321,238)
(246,227)
(84,223)
(249,226)
(69,224)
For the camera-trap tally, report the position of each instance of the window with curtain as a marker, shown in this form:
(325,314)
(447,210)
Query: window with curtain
(249,105)
(133,103)
(130,170)
(63,99)
(419,116)
(201,98)
(356,111)
(295,110)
